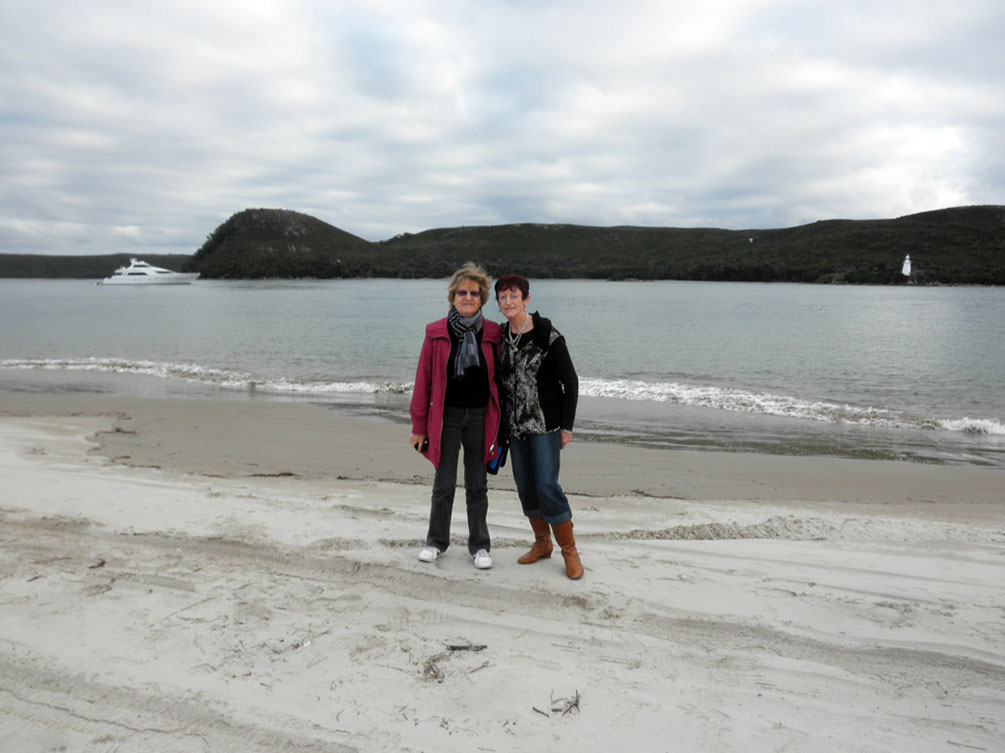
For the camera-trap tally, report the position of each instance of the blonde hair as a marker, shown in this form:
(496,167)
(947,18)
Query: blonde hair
(474,273)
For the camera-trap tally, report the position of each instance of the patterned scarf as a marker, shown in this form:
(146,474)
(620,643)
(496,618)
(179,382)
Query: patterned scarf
(466,331)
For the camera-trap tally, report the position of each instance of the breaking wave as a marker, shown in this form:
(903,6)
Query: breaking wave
(744,401)
(225,378)
(722,398)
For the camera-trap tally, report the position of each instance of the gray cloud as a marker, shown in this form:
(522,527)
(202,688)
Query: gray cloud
(136,127)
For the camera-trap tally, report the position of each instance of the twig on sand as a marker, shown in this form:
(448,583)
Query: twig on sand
(54,559)
(964,745)
(388,666)
(565,705)
(561,706)
(307,641)
(430,670)
(190,606)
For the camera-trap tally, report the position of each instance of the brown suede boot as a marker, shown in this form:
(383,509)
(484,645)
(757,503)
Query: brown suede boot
(563,535)
(541,549)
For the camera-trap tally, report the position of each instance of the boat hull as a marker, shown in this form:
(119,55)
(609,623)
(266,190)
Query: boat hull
(176,279)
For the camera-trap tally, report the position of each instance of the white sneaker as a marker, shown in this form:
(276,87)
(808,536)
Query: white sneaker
(482,560)
(429,554)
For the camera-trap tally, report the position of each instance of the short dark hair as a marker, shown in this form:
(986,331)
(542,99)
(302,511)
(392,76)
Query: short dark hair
(513,282)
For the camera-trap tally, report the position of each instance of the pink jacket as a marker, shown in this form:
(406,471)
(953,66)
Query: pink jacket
(431,387)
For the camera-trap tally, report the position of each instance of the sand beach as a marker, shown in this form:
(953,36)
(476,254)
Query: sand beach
(212,575)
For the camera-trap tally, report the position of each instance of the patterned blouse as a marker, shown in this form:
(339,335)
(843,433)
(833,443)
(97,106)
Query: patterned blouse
(538,381)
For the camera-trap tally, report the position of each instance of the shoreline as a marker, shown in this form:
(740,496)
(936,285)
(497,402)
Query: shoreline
(242,577)
(949,438)
(296,439)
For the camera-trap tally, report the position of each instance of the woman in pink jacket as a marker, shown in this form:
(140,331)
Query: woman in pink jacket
(455,404)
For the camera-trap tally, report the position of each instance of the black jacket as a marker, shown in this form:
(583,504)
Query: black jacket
(557,383)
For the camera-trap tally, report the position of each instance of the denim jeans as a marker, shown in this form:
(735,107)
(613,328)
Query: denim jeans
(535,460)
(462,427)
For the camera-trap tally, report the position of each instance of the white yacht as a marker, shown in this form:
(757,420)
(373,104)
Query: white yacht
(140,273)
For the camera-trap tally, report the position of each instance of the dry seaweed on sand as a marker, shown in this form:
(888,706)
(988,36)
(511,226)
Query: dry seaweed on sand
(561,706)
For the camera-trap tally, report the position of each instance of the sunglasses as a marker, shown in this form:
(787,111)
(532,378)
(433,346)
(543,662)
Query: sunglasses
(467,293)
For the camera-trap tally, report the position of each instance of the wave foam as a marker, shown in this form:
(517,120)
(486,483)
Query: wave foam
(226,378)
(974,426)
(182,371)
(744,401)
(722,398)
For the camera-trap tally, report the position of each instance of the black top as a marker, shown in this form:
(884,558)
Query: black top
(471,389)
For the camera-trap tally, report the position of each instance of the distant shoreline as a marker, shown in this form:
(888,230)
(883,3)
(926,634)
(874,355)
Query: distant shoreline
(180,260)
(954,246)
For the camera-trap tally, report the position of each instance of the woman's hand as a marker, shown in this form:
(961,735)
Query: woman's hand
(416,441)
(566,438)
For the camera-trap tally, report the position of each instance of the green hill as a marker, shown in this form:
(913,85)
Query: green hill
(259,243)
(962,245)
(951,246)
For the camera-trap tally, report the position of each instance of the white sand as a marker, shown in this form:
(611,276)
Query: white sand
(187,608)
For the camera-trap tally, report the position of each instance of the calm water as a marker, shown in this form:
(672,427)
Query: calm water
(839,370)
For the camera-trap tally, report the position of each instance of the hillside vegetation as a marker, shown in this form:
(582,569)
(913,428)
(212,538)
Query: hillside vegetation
(963,245)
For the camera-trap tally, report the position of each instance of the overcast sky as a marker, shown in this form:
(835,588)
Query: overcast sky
(140,127)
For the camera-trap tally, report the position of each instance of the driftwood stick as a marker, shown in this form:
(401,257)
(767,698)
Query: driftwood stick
(191,606)
(964,745)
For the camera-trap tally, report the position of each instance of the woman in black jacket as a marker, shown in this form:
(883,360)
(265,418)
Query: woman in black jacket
(539,394)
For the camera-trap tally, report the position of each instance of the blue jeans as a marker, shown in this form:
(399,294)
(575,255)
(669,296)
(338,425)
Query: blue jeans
(461,427)
(535,460)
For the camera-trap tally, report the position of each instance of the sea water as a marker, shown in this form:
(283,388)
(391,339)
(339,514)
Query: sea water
(856,371)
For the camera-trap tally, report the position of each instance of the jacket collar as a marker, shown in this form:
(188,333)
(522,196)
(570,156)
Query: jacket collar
(491,332)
